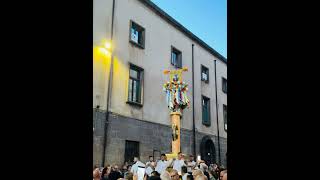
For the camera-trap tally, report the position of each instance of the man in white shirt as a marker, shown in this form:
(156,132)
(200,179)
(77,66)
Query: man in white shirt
(137,163)
(161,164)
(178,163)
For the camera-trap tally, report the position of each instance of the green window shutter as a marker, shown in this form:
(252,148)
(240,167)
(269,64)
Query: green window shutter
(138,91)
(205,110)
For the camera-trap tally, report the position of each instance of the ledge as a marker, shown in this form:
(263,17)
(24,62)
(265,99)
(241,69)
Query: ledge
(136,44)
(134,103)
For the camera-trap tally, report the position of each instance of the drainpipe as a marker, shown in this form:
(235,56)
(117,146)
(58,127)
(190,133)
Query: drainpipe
(193,116)
(108,94)
(215,75)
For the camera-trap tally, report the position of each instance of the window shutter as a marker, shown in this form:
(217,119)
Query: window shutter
(208,112)
(138,92)
(203,114)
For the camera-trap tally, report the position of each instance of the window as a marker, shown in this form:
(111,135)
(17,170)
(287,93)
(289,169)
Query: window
(204,74)
(224,85)
(176,58)
(131,150)
(225,117)
(137,34)
(135,84)
(206,111)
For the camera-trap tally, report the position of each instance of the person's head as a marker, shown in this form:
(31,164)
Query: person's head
(174,174)
(128,176)
(129,167)
(221,169)
(111,167)
(196,173)
(184,169)
(216,167)
(124,168)
(180,155)
(155,173)
(191,158)
(213,173)
(222,174)
(108,170)
(163,157)
(116,168)
(203,167)
(154,178)
(150,158)
(135,159)
(201,177)
(189,177)
(153,164)
(104,172)
(96,173)
(165,175)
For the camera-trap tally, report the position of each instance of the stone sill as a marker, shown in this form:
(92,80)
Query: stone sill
(134,103)
(136,44)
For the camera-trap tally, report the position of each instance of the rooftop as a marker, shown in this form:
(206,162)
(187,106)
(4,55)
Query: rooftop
(180,27)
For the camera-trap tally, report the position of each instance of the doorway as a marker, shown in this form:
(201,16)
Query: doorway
(207,150)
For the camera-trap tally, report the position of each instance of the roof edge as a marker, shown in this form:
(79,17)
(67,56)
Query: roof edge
(180,27)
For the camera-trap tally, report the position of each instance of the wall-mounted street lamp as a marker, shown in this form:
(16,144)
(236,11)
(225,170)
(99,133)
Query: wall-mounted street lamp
(106,48)
(107,45)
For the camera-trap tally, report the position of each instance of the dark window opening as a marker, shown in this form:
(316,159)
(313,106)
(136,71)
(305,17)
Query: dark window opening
(135,84)
(206,111)
(225,117)
(204,74)
(137,34)
(224,85)
(176,58)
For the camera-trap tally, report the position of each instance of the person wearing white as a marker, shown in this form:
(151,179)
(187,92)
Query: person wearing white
(184,177)
(178,163)
(150,168)
(161,164)
(134,168)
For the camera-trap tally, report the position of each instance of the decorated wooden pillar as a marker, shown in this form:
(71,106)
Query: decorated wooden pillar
(175,121)
(177,100)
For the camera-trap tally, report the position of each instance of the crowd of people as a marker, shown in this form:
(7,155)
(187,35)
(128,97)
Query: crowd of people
(181,168)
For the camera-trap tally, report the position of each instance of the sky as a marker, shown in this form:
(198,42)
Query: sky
(207,19)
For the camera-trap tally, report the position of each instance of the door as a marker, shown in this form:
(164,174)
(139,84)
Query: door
(131,151)
(207,150)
